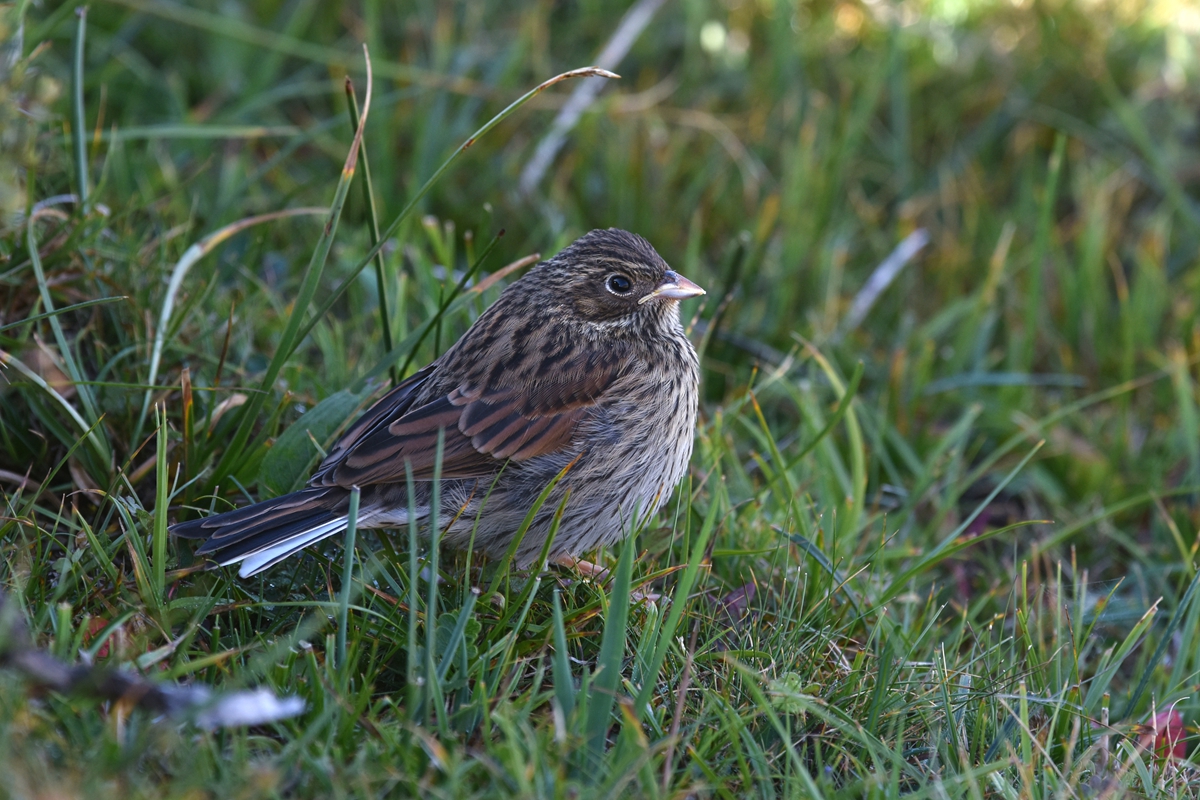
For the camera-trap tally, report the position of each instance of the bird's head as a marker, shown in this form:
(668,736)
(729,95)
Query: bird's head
(615,279)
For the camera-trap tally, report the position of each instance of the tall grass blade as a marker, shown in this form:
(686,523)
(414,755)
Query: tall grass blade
(456,300)
(464,615)
(189,258)
(162,500)
(431,603)
(1190,596)
(607,678)
(78,123)
(847,395)
(564,682)
(679,600)
(347,580)
(248,412)
(414,594)
(1041,249)
(73,307)
(387,234)
(91,432)
(950,543)
(65,352)
(519,536)
(385,313)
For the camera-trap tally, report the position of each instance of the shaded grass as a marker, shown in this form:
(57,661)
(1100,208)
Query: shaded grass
(862,594)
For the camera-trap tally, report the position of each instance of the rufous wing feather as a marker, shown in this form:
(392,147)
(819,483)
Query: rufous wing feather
(480,425)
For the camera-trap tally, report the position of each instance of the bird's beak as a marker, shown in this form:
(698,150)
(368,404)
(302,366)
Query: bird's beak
(674,287)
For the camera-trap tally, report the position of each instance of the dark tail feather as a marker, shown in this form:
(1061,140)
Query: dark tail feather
(278,508)
(265,533)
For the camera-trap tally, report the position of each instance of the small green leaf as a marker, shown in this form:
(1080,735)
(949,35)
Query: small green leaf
(293,454)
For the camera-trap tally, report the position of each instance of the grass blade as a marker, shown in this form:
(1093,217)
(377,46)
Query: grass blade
(948,544)
(842,407)
(189,258)
(414,594)
(385,314)
(607,678)
(78,125)
(506,559)
(347,580)
(679,599)
(248,412)
(564,683)
(75,307)
(86,397)
(1164,642)
(387,234)
(91,432)
(431,603)
(162,500)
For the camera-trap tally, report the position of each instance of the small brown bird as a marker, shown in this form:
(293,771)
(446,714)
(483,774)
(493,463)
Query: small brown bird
(582,361)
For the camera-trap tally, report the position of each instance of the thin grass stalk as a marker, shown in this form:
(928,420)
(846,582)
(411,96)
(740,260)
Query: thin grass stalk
(385,312)
(248,412)
(1189,424)
(947,545)
(1164,642)
(1026,737)
(431,604)
(519,536)
(162,500)
(679,600)
(470,552)
(347,579)
(193,254)
(1111,660)
(78,129)
(387,234)
(414,592)
(1041,246)
(456,636)
(90,432)
(142,571)
(457,299)
(848,520)
(452,298)
(564,683)
(1087,523)
(76,374)
(505,662)
(843,406)
(612,653)
(750,680)
(539,565)
(56,312)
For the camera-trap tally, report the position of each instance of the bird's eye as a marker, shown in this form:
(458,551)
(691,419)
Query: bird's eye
(619,284)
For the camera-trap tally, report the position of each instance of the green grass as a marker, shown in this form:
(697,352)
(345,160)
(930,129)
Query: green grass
(923,555)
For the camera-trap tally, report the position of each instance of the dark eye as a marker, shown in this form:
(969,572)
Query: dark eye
(619,284)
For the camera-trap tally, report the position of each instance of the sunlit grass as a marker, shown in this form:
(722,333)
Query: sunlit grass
(929,552)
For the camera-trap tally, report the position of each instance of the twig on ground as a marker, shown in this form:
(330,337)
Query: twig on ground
(208,709)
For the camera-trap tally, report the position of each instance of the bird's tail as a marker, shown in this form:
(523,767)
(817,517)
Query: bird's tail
(263,534)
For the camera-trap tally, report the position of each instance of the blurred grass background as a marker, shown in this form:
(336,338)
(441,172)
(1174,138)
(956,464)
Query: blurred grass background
(917,598)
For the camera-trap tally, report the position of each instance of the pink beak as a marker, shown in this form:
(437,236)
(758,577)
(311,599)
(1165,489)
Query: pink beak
(674,287)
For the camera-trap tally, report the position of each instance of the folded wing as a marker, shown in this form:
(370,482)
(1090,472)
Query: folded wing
(483,422)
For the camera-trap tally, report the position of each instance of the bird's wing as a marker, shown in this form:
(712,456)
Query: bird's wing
(505,414)
(391,406)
